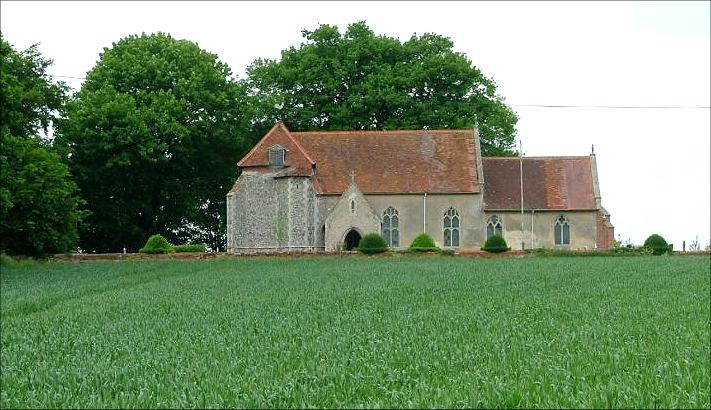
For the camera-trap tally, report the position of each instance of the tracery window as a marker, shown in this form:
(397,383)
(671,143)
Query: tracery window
(451,227)
(390,227)
(561,230)
(494,227)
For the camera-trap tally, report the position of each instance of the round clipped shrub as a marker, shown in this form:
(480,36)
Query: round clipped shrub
(372,243)
(423,243)
(657,244)
(156,244)
(495,244)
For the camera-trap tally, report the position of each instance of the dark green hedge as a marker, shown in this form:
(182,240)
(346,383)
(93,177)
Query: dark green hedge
(195,247)
(641,251)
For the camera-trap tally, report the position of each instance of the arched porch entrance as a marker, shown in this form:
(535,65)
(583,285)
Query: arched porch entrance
(351,240)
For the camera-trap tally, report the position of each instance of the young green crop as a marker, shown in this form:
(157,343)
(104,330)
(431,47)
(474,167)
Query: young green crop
(357,332)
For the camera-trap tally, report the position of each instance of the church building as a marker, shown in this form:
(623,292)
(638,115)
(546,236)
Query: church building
(316,191)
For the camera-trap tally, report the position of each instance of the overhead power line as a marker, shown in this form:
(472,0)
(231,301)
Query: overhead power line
(615,106)
(69,76)
(550,105)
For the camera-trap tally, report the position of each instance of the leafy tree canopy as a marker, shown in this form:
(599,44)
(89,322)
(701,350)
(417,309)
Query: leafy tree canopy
(29,100)
(358,80)
(152,138)
(41,216)
(38,203)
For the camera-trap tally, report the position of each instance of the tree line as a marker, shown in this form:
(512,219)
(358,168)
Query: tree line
(149,144)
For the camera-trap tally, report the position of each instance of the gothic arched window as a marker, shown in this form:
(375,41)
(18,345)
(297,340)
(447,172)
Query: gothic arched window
(277,154)
(494,227)
(451,227)
(390,227)
(562,231)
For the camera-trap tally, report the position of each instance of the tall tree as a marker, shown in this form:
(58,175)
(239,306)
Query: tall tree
(358,80)
(39,207)
(152,138)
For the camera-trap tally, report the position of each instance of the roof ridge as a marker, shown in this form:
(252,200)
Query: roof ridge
(377,132)
(539,157)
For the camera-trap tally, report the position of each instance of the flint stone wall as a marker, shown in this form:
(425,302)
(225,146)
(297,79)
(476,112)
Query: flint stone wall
(267,214)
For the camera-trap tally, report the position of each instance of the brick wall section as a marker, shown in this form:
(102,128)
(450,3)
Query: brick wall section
(605,231)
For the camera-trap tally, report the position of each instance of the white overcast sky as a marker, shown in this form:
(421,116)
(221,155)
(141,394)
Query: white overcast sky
(654,163)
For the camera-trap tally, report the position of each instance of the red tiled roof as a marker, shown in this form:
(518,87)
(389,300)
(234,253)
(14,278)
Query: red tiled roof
(556,183)
(418,161)
(297,160)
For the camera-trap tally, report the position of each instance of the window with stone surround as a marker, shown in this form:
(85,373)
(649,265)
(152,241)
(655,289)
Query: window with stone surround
(494,227)
(451,228)
(562,231)
(390,227)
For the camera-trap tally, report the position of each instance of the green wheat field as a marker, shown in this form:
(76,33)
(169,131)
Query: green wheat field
(356,332)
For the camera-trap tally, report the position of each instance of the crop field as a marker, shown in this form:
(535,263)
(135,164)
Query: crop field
(357,332)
